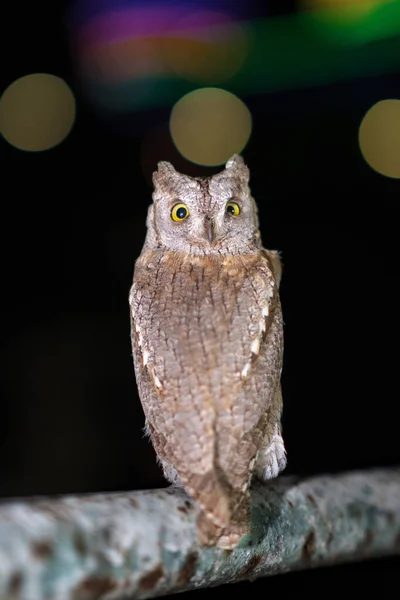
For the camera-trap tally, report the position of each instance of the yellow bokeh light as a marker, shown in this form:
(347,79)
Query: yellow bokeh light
(379,138)
(209,125)
(37,112)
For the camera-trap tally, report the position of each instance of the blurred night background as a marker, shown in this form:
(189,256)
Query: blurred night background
(94,94)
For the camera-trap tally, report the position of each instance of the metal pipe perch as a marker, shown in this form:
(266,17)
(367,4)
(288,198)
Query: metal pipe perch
(143,544)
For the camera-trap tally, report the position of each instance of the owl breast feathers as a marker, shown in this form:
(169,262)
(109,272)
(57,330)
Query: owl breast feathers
(207,344)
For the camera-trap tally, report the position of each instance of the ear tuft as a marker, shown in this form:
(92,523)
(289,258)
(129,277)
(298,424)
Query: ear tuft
(235,161)
(164,172)
(238,168)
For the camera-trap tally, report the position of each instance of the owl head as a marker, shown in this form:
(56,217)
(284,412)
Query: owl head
(208,215)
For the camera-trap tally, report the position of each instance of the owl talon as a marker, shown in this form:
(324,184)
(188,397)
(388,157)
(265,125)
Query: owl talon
(272,460)
(170,473)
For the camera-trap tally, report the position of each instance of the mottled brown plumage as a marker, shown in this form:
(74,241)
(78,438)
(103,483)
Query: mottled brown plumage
(207,342)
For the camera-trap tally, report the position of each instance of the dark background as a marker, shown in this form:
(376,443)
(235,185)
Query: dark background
(73,223)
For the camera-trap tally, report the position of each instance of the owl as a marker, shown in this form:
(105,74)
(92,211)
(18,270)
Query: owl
(207,338)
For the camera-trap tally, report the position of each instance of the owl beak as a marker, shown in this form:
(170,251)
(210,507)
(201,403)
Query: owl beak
(209,232)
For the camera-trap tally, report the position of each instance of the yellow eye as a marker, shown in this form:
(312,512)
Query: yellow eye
(232,208)
(179,212)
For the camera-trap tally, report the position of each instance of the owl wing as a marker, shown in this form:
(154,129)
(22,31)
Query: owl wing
(207,340)
(255,347)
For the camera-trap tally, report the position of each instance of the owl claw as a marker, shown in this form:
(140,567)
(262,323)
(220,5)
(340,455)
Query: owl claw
(272,460)
(171,474)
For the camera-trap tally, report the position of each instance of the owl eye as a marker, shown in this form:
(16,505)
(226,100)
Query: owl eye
(179,212)
(233,208)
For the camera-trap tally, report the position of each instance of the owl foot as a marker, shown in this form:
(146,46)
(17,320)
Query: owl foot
(171,474)
(272,459)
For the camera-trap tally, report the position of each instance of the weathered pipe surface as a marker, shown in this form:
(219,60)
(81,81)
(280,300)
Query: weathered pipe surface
(143,544)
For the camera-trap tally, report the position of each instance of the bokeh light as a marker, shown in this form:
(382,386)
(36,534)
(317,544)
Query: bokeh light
(37,112)
(379,138)
(134,55)
(199,45)
(209,125)
(206,47)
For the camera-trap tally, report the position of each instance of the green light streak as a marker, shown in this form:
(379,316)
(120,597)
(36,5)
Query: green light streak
(348,25)
(297,52)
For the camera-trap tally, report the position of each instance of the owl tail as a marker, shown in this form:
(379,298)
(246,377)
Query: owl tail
(225,513)
(238,527)
(210,534)
(212,496)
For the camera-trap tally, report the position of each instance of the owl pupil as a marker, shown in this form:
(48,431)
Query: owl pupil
(230,209)
(181,212)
